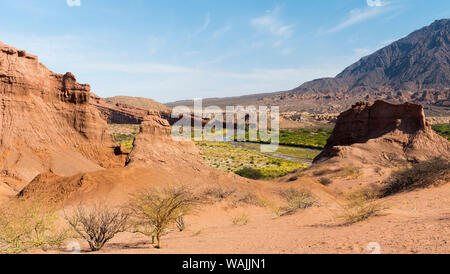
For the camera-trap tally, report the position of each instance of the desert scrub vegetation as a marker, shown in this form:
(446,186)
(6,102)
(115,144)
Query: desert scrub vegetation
(325,181)
(251,173)
(288,151)
(25,226)
(125,139)
(98,224)
(313,138)
(296,200)
(155,211)
(347,172)
(219,192)
(361,206)
(419,175)
(443,130)
(124,134)
(228,158)
(241,220)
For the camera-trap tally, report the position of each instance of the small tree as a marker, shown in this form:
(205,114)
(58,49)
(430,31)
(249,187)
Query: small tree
(99,224)
(27,225)
(155,211)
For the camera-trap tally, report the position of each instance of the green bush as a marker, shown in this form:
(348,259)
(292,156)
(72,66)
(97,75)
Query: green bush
(443,130)
(250,173)
(156,210)
(24,226)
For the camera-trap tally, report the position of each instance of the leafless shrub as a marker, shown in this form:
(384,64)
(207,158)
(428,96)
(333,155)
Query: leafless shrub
(155,211)
(98,224)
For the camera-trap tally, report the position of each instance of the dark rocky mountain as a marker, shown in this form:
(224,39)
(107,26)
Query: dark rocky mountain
(415,68)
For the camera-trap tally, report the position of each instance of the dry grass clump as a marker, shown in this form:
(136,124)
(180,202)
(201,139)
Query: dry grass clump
(156,210)
(361,206)
(296,200)
(347,172)
(98,224)
(322,172)
(420,175)
(241,220)
(24,226)
(219,192)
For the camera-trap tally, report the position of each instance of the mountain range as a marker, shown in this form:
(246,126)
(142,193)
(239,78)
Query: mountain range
(415,68)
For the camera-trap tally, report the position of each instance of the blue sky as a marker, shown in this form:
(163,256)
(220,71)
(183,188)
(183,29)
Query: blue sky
(173,50)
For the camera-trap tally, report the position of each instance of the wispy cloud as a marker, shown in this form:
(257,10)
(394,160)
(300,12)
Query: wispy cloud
(73,3)
(272,24)
(374,9)
(218,33)
(205,25)
(207,22)
(203,28)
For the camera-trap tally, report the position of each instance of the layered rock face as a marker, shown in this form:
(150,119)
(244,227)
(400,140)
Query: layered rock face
(46,121)
(154,146)
(118,113)
(384,133)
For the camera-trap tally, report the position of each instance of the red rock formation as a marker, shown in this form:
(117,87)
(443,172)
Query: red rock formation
(156,161)
(384,133)
(118,113)
(46,121)
(154,146)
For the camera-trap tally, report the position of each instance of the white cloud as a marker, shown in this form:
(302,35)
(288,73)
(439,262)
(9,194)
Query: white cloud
(73,3)
(272,24)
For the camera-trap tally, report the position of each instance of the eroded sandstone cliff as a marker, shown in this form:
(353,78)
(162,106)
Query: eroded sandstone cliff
(46,121)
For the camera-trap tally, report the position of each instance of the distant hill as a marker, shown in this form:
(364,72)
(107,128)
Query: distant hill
(415,68)
(137,102)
